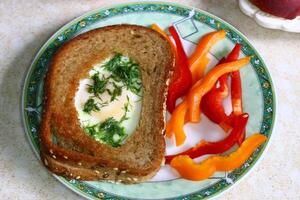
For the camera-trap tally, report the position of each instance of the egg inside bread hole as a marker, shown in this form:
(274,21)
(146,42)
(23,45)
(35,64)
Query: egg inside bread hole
(109,101)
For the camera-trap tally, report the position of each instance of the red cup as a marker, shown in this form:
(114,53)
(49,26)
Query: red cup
(288,9)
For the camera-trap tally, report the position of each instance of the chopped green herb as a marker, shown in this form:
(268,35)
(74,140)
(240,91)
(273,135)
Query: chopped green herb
(98,86)
(117,91)
(126,110)
(109,132)
(126,71)
(90,106)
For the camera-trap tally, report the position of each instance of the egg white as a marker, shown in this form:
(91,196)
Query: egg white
(114,109)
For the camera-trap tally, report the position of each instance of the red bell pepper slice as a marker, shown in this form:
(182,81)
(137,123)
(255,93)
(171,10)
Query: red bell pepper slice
(182,77)
(212,102)
(236,93)
(236,99)
(216,147)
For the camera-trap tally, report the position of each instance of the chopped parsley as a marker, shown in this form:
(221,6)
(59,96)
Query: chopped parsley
(126,109)
(117,91)
(99,85)
(90,106)
(109,132)
(126,71)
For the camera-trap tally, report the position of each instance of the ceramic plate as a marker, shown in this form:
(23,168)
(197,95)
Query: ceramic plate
(258,95)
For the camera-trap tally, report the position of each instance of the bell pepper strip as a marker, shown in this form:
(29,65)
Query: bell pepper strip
(177,127)
(232,56)
(216,147)
(190,170)
(198,73)
(199,89)
(196,93)
(236,98)
(212,102)
(196,63)
(226,125)
(201,65)
(236,93)
(182,82)
(159,30)
(223,87)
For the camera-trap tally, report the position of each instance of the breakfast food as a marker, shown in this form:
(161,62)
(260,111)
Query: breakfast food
(94,82)
(207,94)
(106,95)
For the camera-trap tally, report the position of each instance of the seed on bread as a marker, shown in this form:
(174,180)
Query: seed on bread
(105,175)
(45,162)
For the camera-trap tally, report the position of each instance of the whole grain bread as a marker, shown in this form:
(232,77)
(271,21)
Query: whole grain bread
(65,149)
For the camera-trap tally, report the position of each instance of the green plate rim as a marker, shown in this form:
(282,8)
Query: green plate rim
(76,185)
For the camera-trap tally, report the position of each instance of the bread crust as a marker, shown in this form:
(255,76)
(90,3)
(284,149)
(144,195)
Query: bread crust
(65,149)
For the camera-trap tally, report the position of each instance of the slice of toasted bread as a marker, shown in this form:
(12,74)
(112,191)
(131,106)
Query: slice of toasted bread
(65,148)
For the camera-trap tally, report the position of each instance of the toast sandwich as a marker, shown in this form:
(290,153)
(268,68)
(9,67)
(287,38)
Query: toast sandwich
(66,149)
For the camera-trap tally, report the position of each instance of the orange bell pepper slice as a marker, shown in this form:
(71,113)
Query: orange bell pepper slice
(159,30)
(190,170)
(208,81)
(177,127)
(198,60)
